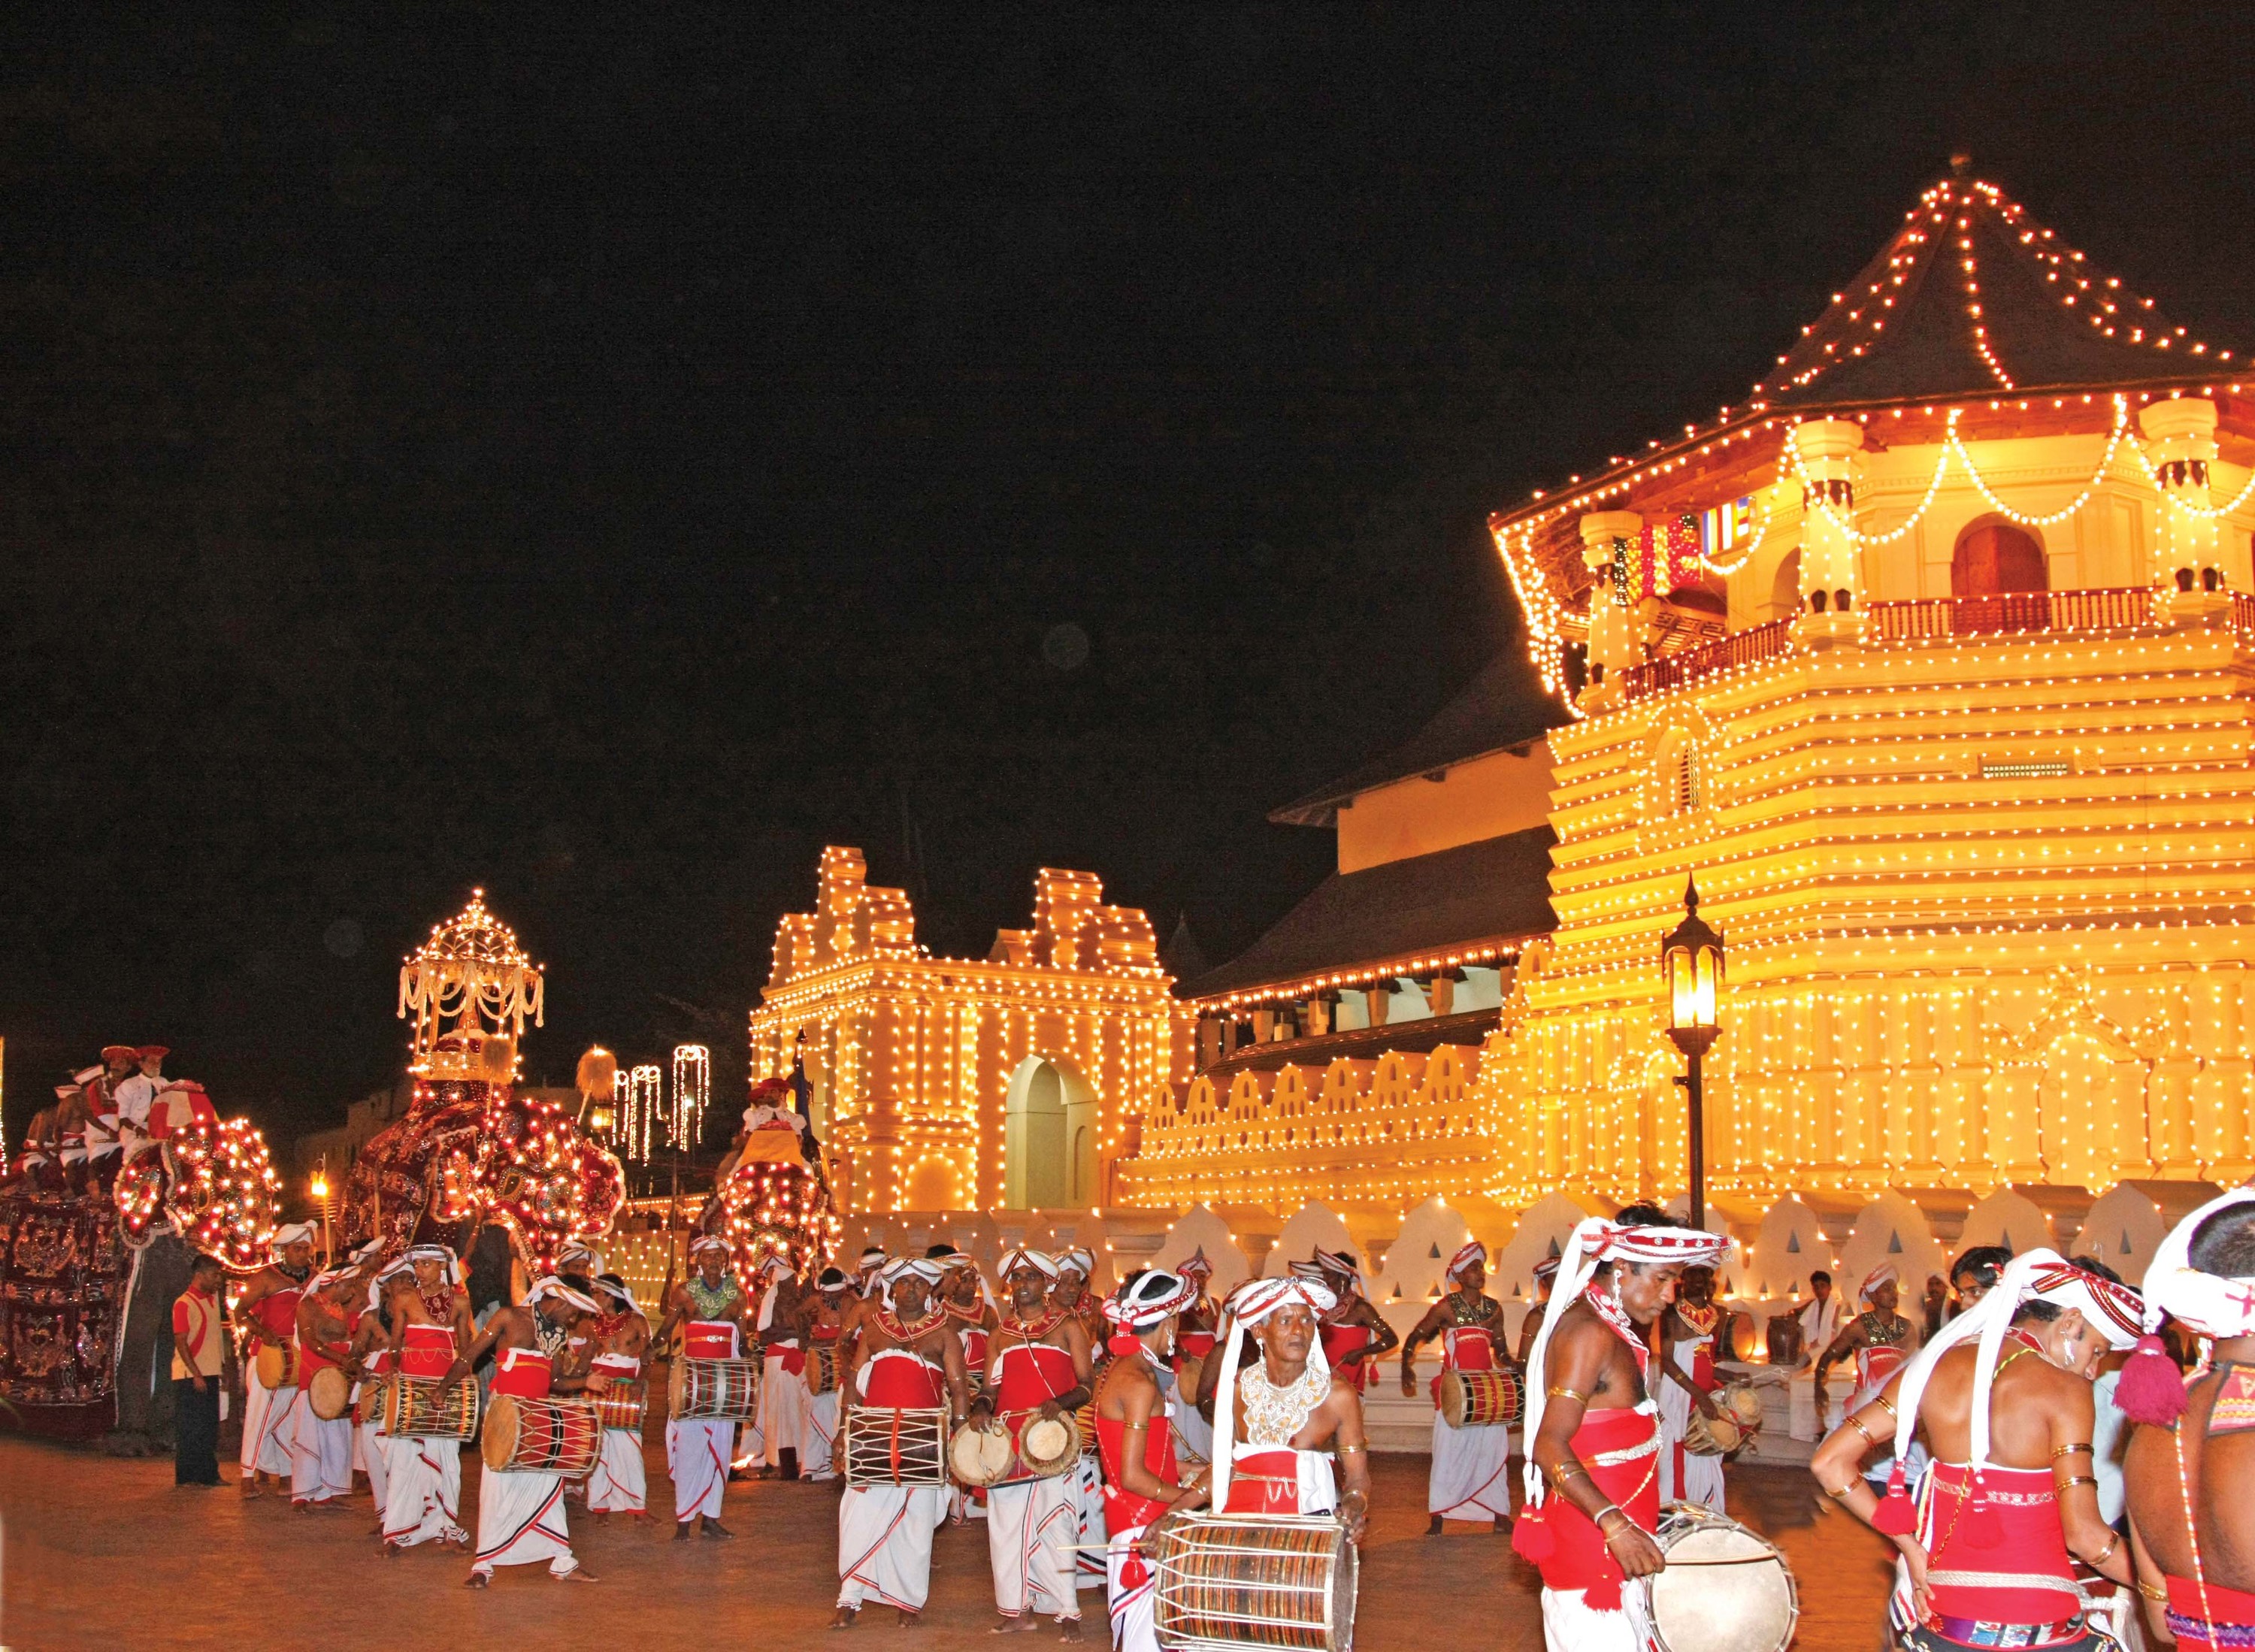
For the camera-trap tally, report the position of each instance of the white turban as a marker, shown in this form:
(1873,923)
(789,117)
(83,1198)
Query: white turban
(1080,1259)
(1148,1299)
(1025,1256)
(551,1286)
(1882,1275)
(291,1234)
(1462,1261)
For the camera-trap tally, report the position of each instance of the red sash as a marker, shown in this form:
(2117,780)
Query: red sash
(1342,1343)
(1123,1510)
(1580,1559)
(522,1373)
(428,1351)
(2026,1504)
(278,1314)
(709,1340)
(898,1380)
(1265,1483)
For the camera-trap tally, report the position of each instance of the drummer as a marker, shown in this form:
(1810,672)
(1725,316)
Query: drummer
(713,1307)
(1878,1340)
(783,1385)
(907,1359)
(267,1311)
(520,1515)
(1356,1336)
(2004,1395)
(1471,1476)
(370,1364)
(1278,1421)
(1193,1341)
(1040,1369)
(1689,1330)
(1076,1267)
(619,1483)
(823,1315)
(320,1450)
(430,1324)
(1593,1504)
(1141,1483)
(2193,1534)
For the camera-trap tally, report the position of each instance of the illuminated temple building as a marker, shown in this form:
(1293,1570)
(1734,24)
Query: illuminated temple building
(1930,661)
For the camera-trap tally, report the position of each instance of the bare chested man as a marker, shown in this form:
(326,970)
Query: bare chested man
(716,1314)
(1592,1494)
(2004,1397)
(1356,1336)
(2193,1455)
(431,1325)
(1142,1485)
(1040,1368)
(907,1359)
(521,1512)
(1279,1419)
(1470,1474)
(266,1313)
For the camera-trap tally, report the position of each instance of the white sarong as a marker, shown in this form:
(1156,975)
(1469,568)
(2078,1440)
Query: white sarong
(619,1484)
(521,1520)
(1031,1527)
(1133,1607)
(423,1489)
(320,1458)
(367,1453)
(269,1422)
(1471,1476)
(1570,1625)
(814,1440)
(1685,1477)
(884,1544)
(783,1412)
(1088,1508)
(696,1457)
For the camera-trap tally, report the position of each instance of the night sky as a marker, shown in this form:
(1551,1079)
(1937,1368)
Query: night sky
(608,467)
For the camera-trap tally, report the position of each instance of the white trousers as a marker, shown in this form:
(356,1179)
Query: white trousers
(269,1422)
(619,1484)
(1471,1477)
(1088,1508)
(1031,1527)
(696,1457)
(368,1457)
(1570,1625)
(521,1522)
(423,1490)
(320,1458)
(1685,1477)
(884,1544)
(814,1440)
(1135,1626)
(782,1410)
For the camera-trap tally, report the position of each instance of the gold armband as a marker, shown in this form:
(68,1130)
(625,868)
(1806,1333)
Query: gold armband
(1837,1492)
(2074,1480)
(1857,1422)
(2151,1591)
(2069,1450)
(1349,1451)
(1884,1404)
(1568,1394)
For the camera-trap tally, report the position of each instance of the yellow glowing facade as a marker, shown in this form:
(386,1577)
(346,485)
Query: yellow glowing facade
(1940,687)
(955,1083)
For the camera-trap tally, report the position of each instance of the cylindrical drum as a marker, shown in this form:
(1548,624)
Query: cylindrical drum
(524,1436)
(1266,1580)
(412,1409)
(1724,1589)
(822,1368)
(278,1365)
(1479,1399)
(889,1445)
(713,1388)
(623,1403)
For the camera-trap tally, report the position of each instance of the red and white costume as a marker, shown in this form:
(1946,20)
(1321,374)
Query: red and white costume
(1257,1470)
(619,1484)
(368,1427)
(1584,1606)
(1130,1587)
(1032,1522)
(521,1514)
(782,1380)
(423,1488)
(818,1437)
(884,1532)
(698,1449)
(1685,1476)
(320,1448)
(1997,1563)
(270,1416)
(1193,1434)
(1471,1476)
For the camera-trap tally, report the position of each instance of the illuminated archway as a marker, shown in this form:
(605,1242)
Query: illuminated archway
(1050,1125)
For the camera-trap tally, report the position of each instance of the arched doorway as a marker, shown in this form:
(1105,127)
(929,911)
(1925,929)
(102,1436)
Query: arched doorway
(1993,559)
(1050,1124)
(1785,586)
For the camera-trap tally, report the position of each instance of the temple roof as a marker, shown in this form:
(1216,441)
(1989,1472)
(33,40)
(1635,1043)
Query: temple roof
(1357,923)
(1502,707)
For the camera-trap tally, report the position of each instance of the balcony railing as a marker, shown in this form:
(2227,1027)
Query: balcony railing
(2118,608)
(1763,642)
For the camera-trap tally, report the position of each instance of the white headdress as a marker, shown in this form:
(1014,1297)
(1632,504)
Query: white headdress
(1079,1258)
(551,1286)
(1025,1256)
(291,1234)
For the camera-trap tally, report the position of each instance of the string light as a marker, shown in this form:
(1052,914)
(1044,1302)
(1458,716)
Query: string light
(643,1128)
(693,1088)
(214,1183)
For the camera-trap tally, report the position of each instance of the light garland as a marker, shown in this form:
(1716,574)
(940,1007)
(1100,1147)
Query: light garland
(693,1088)
(213,1184)
(470,971)
(642,1120)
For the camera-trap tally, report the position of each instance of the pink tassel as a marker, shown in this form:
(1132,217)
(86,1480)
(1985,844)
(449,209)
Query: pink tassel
(1896,1516)
(1532,1540)
(2151,1388)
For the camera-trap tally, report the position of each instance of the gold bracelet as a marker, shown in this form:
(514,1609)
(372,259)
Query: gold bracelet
(2074,1480)
(1857,1422)
(2113,1542)
(1882,1401)
(1839,1494)
(1568,1394)
(1565,1471)
(2151,1591)
(2069,1450)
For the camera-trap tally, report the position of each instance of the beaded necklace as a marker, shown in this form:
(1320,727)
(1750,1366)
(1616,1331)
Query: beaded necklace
(1274,1415)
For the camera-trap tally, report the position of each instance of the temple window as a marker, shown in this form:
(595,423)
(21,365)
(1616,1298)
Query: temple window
(1994,557)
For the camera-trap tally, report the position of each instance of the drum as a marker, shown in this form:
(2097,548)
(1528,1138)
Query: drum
(1049,1447)
(278,1365)
(713,1388)
(622,1403)
(412,1410)
(980,1455)
(1783,1339)
(1741,1415)
(524,1436)
(886,1446)
(1724,1589)
(1272,1580)
(1479,1399)
(822,1368)
(329,1394)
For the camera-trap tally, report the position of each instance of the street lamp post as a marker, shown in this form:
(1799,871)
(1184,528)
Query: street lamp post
(1691,976)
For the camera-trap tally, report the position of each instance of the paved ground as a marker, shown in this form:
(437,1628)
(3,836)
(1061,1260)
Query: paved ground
(106,1554)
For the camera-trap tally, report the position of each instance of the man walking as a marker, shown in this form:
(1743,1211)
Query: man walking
(198,1338)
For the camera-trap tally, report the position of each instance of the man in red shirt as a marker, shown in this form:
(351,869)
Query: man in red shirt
(199,1334)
